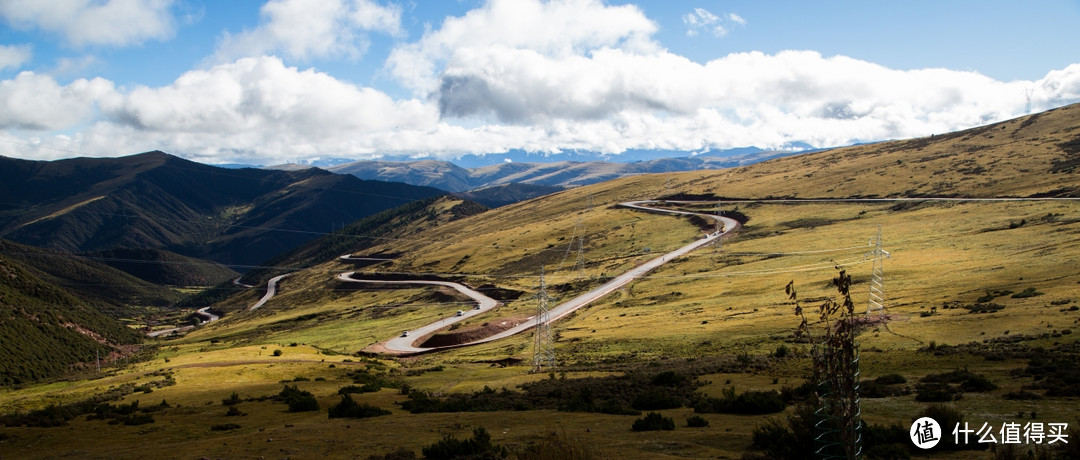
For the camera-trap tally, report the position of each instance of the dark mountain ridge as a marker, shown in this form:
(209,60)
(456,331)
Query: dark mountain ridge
(155,200)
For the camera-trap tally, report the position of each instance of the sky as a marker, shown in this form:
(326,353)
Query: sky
(254,82)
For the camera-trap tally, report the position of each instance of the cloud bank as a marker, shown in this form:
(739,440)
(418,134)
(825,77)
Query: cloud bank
(536,76)
(94,22)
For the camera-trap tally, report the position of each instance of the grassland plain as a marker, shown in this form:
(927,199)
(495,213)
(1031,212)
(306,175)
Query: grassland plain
(713,306)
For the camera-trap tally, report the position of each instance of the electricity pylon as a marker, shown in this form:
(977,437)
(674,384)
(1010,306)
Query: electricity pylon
(876,303)
(579,264)
(543,348)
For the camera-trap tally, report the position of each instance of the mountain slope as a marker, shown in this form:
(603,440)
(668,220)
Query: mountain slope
(44,331)
(93,282)
(502,195)
(163,267)
(154,200)
(1035,155)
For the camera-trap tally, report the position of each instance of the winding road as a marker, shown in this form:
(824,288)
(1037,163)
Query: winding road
(405,344)
(271,290)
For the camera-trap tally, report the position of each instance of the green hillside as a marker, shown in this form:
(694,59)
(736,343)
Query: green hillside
(92,281)
(163,267)
(45,332)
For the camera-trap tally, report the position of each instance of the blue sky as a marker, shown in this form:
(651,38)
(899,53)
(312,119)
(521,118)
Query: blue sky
(299,80)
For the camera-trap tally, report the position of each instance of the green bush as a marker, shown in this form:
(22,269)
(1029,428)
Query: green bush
(277,352)
(749,403)
(349,408)
(696,421)
(557,447)
(1029,292)
(233,399)
(400,454)
(298,400)
(653,421)
(479,447)
(224,427)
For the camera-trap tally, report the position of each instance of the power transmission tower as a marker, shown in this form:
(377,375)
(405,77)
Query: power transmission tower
(579,239)
(579,264)
(589,203)
(1027,94)
(876,303)
(543,348)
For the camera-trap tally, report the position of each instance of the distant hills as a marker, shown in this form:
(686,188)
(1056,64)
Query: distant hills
(238,217)
(450,177)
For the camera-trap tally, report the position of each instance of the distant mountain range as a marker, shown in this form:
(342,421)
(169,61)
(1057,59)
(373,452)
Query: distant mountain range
(238,217)
(450,177)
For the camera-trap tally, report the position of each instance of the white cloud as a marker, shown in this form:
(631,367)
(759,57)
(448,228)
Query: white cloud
(530,75)
(14,56)
(740,99)
(702,19)
(94,22)
(558,28)
(305,29)
(37,102)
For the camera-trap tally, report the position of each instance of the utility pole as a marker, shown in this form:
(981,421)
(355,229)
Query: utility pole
(543,348)
(876,303)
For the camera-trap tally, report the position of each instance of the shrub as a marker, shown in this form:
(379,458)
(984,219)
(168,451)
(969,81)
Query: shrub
(887,442)
(949,418)
(224,427)
(349,408)
(884,386)
(234,411)
(656,399)
(936,392)
(749,403)
(781,351)
(277,352)
(479,446)
(1029,292)
(400,454)
(653,421)
(557,447)
(696,421)
(234,398)
(298,400)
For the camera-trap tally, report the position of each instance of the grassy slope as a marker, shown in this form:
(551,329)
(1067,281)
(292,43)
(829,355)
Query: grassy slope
(704,305)
(45,331)
(165,268)
(92,281)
